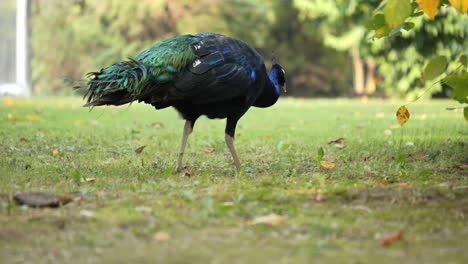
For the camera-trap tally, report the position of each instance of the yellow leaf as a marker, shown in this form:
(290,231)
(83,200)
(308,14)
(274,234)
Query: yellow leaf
(162,236)
(402,115)
(327,164)
(9,102)
(34,117)
(14,116)
(210,150)
(54,152)
(271,219)
(429,7)
(460,5)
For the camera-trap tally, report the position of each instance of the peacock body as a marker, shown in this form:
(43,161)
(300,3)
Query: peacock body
(205,74)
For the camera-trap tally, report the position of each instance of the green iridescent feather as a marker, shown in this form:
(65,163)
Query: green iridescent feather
(160,63)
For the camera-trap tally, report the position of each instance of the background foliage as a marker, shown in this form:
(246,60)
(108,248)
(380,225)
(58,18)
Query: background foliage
(323,45)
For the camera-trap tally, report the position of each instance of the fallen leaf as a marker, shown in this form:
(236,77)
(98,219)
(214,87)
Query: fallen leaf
(319,197)
(210,150)
(429,7)
(162,236)
(87,214)
(392,238)
(34,117)
(144,209)
(157,124)
(402,115)
(338,141)
(188,174)
(327,164)
(404,186)
(91,180)
(54,152)
(9,102)
(271,219)
(140,149)
(14,116)
(422,155)
(387,132)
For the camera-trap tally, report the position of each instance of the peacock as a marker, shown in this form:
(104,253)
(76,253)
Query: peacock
(204,74)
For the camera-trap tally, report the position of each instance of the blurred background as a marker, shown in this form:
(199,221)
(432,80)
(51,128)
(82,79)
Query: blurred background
(323,45)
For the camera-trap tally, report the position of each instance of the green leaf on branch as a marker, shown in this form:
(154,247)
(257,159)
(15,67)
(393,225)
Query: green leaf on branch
(397,11)
(383,31)
(463,60)
(416,14)
(376,22)
(465,113)
(408,25)
(435,67)
(459,84)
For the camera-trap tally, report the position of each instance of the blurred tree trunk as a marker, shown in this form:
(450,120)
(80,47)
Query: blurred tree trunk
(370,76)
(358,71)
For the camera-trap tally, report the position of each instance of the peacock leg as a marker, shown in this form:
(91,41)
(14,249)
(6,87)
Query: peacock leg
(229,137)
(188,128)
(230,145)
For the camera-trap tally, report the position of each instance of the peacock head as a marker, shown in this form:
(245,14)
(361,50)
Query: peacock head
(277,77)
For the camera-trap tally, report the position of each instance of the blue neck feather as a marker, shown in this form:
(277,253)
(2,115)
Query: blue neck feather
(273,75)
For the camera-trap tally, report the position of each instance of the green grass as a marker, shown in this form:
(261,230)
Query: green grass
(414,180)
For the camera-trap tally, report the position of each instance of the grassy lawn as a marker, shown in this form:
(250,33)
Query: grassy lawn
(385,179)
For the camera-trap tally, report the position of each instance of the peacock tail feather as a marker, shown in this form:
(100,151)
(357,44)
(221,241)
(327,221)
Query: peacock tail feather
(159,64)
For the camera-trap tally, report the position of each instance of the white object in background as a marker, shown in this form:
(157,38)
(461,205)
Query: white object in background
(22,87)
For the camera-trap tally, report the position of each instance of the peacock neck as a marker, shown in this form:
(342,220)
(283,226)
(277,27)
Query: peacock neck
(270,92)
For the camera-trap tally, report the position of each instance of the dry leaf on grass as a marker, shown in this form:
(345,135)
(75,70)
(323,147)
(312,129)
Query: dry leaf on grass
(319,197)
(157,125)
(404,186)
(338,141)
(327,164)
(91,180)
(87,214)
(391,239)
(14,116)
(162,236)
(140,149)
(54,152)
(422,155)
(271,219)
(209,150)
(9,102)
(34,117)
